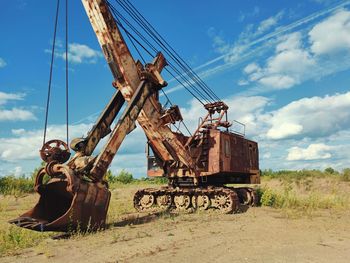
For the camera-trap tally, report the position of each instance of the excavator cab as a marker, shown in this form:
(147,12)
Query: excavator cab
(154,167)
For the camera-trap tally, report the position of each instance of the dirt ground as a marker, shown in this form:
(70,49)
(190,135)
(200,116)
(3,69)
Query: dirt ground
(258,235)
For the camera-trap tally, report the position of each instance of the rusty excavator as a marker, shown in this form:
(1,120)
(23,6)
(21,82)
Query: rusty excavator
(200,167)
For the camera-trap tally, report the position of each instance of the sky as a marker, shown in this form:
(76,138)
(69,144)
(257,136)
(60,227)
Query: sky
(281,66)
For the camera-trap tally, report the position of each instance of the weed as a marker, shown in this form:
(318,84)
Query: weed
(289,199)
(14,238)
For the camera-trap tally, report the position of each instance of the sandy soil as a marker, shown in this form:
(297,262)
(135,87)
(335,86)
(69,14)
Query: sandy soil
(258,235)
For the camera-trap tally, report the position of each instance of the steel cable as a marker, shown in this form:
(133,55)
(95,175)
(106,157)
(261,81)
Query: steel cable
(67,77)
(158,38)
(130,35)
(154,37)
(51,70)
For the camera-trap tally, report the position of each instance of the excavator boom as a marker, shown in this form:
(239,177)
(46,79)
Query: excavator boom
(124,69)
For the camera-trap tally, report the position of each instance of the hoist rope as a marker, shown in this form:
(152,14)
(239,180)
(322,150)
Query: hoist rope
(155,50)
(185,73)
(177,71)
(51,70)
(169,53)
(67,77)
(167,46)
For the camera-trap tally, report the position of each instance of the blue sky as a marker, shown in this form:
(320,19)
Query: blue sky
(281,66)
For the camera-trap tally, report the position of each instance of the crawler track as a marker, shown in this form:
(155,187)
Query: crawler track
(225,199)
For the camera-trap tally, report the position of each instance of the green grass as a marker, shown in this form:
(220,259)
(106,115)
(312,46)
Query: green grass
(15,238)
(17,186)
(293,196)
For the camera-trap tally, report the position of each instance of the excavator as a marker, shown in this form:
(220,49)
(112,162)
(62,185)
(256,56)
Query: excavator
(201,168)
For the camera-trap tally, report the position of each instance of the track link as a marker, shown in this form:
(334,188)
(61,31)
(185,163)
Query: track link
(225,199)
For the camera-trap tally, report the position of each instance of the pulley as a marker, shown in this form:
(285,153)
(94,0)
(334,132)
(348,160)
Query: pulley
(55,151)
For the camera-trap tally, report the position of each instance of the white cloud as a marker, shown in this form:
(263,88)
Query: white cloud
(286,68)
(16,114)
(266,155)
(290,57)
(296,60)
(284,130)
(5,97)
(242,82)
(313,117)
(250,45)
(278,81)
(251,68)
(332,35)
(312,152)
(260,45)
(268,23)
(134,163)
(79,53)
(18,131)
(234,52)
(2,63)
(18,171)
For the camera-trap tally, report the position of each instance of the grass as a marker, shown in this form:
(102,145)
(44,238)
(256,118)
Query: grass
(305,191)
(344,175)
(13,238)
(297,192)
(16,186)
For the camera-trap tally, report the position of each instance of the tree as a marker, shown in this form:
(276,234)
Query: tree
(124,177)
(329,170)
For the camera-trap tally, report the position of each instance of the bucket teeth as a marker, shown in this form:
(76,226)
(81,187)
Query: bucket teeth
(29,223)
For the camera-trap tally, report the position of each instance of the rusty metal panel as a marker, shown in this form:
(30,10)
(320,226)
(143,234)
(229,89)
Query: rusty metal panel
(231,155)
(214,152)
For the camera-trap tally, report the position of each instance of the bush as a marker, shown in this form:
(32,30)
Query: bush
(346,175)
(11,185)
(123,177)
(330,170)
(110,177)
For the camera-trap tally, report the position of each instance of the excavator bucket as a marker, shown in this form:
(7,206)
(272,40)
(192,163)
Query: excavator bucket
(66,203)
